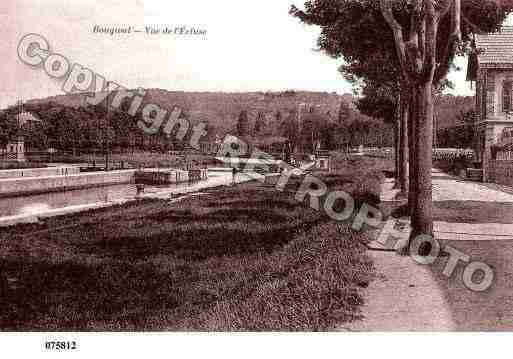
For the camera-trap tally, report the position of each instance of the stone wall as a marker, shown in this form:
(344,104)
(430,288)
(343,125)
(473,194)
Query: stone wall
(161,177)
(34,185)
(39,172)
(500,172)
(198,175)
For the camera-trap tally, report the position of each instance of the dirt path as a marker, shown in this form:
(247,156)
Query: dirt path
(403,297)
(475,219)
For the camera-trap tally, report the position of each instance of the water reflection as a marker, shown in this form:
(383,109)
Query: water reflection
(34,208)
(43,202)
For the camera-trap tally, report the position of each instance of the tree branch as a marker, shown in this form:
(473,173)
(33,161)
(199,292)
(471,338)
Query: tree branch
(453,40)
(432,17)
(457,20)
(416,43)
(397,29)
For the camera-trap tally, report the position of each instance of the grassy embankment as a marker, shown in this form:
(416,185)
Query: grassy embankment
(243,258)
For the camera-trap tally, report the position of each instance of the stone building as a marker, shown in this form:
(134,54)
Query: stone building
(491,67)
(15,148)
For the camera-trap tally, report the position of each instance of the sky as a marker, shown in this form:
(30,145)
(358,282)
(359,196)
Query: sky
(249,46)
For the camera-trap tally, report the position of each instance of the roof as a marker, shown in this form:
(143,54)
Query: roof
(25,117)
(495,48)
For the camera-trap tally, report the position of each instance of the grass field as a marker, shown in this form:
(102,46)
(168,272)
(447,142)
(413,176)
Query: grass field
(235,258)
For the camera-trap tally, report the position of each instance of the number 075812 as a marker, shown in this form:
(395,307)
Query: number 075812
(58,345)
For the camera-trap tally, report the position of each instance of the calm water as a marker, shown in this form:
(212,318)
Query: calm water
(43,202)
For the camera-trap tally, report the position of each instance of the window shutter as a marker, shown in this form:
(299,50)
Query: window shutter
(490,83)
(490,94)
(506,96)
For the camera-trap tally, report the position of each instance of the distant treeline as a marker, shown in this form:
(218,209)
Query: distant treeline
(305,119)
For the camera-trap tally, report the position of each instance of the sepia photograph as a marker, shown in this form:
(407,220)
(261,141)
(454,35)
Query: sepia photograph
(302,177)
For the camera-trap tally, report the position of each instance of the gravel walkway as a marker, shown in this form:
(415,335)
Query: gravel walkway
(448,188)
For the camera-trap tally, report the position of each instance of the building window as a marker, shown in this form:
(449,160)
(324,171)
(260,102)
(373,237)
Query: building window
(490,83)
(506,96)
(490,103)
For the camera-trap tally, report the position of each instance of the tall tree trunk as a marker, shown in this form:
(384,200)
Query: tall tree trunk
(435,131)
(412,118)
(422,216)
(397,131)
(403,148)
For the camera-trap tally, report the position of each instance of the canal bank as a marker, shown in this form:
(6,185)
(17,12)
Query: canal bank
(31,209)
(10,187)
(39,172)
(38,181)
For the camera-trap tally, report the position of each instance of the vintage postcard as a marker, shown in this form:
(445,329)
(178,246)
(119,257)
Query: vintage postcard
(269,166)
